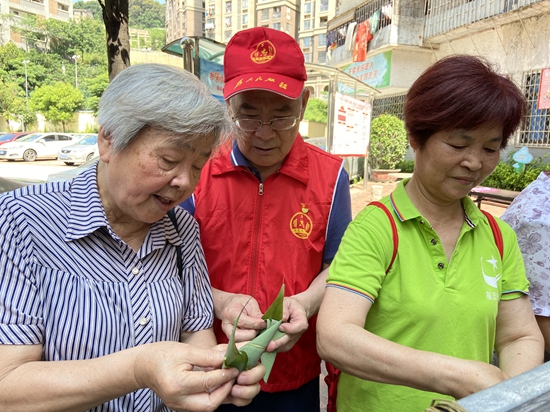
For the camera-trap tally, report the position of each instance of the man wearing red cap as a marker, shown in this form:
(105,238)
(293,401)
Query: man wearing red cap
(271,209)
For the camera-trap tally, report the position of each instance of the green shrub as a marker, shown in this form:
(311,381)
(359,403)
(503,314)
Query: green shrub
(505,177)
(388,142)
(406,166)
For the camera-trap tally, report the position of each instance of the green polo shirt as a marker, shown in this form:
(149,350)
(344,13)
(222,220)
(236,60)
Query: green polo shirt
(424,302)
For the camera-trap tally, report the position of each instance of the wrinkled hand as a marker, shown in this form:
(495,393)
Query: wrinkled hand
(167,368)
(250,321)
(295,323)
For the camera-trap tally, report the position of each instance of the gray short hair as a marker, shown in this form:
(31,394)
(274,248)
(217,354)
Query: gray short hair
(161,97)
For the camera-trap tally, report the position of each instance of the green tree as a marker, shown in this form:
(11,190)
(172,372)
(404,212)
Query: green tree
(57,103)
(388,142)
(158,38)
(146,14)
(316,111)
(11,103)
(32,29)
(96,87)
(91,6)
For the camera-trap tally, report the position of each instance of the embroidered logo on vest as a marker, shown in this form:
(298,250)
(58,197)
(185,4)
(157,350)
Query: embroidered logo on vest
(300,224)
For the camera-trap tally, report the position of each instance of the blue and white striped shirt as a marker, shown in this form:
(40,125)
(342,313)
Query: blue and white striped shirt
(70,284)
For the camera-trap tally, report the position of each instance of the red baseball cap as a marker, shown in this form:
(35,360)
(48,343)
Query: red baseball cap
(263,59)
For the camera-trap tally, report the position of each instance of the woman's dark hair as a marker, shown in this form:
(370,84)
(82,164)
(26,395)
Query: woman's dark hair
(462,92)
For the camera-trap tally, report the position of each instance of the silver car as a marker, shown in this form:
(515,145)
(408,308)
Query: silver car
(80,152)
(35,146)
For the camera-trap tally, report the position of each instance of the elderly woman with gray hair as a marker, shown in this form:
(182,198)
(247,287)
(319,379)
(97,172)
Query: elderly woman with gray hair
(105,302)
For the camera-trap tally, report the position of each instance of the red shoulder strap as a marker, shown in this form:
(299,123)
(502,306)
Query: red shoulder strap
(496,232)
(395,236)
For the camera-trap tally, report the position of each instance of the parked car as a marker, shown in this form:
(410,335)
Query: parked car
(35,146)
(73,172)
(80,152)
(12,136)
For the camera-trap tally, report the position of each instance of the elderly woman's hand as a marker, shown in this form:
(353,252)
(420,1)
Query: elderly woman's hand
(168,369)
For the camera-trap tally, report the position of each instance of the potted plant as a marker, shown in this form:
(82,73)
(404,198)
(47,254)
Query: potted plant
(388,145)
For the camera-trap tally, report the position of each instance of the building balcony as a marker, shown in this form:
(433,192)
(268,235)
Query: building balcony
(447,20)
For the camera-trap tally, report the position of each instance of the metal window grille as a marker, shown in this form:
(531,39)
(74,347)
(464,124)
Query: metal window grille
(389,105)
(535,130)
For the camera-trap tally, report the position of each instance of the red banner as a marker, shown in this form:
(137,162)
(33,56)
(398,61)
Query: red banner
(544,90)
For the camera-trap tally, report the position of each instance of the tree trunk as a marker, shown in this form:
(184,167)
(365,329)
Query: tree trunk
(115,16)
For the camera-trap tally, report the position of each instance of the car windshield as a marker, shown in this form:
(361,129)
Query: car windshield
(30,137)
(6,137)
(88,140)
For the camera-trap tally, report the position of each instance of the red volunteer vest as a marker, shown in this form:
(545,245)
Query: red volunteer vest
(254,236)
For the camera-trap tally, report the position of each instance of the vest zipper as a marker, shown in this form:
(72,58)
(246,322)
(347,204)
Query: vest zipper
(258,218)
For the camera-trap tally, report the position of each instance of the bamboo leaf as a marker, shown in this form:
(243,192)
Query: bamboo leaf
(256,347)
(235,358)
(275,311)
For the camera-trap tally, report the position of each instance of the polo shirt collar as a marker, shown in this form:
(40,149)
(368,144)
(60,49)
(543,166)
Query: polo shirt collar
(295,165)
(405,210)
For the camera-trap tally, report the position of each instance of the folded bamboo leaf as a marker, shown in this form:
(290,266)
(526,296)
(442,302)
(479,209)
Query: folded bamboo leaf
(250,354)
(256,347)
(235,358)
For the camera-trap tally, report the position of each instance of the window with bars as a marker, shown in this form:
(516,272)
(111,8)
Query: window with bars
(265,15)
(389,105)
(535,130)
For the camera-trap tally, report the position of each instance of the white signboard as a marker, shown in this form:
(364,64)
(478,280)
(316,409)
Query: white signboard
(351,126)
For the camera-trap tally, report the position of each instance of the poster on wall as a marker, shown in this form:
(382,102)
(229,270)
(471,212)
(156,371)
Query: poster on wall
(212,77)
(544,90)
(351,126)
(374,71)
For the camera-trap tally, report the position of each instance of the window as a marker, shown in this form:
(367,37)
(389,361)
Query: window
(227,35)
(288,28)
(307,58)
(244,4)
(307,24)
(245,19)
(288,13)
(228,21)
(307,8)
(324,5)
(535,132)
(306,42)
(322,40)
(323,21)
(62,7)
(321,57)
(277,26)
(228,7)
(276,12)
(63,137)
(265,14)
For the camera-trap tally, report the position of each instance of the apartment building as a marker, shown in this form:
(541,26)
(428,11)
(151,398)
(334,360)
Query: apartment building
(49,9)
(401,38)
(220,19)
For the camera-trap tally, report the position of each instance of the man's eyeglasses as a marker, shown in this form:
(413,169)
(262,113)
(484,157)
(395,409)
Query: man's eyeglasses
(279,124)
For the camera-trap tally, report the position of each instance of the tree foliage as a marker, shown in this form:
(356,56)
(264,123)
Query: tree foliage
(146,14)
(57,102)
(316,111)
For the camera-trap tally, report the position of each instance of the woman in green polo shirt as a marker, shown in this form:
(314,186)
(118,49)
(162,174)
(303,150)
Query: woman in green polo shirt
(427,328)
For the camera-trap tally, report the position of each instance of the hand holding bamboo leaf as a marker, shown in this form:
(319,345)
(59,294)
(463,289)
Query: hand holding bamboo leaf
(249,355)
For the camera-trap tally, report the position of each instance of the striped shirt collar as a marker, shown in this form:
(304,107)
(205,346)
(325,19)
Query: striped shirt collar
(87,214)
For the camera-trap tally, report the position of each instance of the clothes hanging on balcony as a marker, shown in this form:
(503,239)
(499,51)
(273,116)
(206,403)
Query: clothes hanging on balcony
(374,21)
(350,36)
(362,38)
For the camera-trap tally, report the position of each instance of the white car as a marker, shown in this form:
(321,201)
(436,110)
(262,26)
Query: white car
(35,146)
(80,152)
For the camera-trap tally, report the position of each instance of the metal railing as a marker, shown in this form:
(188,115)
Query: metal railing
(446,15)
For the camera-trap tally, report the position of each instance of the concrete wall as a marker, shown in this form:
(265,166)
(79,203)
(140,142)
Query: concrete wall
(312,129)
